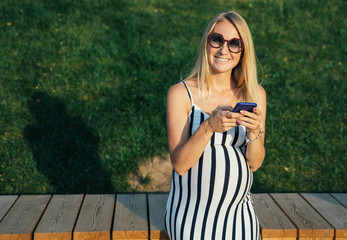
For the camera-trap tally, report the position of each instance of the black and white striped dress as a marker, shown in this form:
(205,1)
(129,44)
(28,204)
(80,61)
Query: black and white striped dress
(212,200)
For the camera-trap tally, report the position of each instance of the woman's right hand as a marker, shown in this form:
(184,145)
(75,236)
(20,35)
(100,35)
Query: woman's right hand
(222,119)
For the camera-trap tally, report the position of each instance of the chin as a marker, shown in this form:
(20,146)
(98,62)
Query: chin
(216,70)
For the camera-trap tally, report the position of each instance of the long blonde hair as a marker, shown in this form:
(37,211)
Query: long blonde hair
(244,74)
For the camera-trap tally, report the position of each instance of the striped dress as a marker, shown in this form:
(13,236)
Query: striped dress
(212,200)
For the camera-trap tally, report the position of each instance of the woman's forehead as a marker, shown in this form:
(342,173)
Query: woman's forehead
(227,29)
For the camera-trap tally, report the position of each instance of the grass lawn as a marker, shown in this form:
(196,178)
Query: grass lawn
(83,87)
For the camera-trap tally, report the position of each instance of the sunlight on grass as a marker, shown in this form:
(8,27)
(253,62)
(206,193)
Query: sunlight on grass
(99,71)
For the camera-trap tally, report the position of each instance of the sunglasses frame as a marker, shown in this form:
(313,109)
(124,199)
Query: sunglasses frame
(224,40)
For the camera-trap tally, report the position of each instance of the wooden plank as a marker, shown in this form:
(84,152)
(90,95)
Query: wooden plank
(157,206)
(95,219)
(6,202)
(331,210)
(341,197)
(22,218)
(273,222)
(59,218)
(130,220)
(309,223)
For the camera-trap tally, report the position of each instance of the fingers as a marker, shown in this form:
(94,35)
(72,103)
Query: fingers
(249,123)
(225,108)
(250,120)
(223,120)
(256,114)
(232,115)
(256,111)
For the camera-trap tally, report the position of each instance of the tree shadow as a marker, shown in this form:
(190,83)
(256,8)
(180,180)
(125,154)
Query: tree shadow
(65,149)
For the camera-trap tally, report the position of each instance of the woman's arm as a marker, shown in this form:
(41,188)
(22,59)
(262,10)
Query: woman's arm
(255,122)
(184,152)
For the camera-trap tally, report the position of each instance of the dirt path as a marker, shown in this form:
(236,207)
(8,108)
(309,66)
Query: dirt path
(153,176)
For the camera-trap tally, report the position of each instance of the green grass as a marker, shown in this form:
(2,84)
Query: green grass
(83,87)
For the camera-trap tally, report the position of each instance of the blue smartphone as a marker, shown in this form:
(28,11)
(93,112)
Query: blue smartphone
(247,106)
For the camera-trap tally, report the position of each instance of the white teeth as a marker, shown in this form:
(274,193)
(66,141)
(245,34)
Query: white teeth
(222,59)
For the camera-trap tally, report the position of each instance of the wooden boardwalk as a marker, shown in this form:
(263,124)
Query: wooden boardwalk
(140,216)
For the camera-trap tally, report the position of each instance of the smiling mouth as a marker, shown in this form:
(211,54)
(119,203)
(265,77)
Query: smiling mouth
(222,59)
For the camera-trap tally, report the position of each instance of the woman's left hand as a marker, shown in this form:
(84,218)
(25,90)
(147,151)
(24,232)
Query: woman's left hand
(251,121)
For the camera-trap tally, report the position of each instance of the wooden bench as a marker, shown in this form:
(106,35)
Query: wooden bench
(141,215)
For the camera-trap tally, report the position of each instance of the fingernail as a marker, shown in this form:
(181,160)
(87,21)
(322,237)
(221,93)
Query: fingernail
(238,121)
(241,111)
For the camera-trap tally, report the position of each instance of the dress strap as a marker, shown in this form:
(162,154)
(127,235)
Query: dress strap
(189,93)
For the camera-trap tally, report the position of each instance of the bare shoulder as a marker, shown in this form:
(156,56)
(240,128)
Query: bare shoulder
(262,95)
(177,91)
(262,100)
(261,92)
(177,97)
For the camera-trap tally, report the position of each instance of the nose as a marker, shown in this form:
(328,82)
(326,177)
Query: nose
(224,48)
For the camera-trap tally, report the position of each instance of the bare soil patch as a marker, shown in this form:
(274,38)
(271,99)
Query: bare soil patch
(154,175)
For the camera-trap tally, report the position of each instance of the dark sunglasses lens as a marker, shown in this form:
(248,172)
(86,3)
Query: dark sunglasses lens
(235,45)
(216,40)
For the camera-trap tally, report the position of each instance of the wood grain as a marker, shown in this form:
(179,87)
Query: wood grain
(130,220)
(309,223)
(273,222)
(157,205)
(314,215)
(331,210)
(6,202)
(59,218)
(341,197)
(95,219)
(22,218)
(279,238)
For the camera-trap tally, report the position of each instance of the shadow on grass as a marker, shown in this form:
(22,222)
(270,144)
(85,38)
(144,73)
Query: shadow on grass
(65,149)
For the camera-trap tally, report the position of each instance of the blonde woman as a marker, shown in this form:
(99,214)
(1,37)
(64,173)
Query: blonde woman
(213,149)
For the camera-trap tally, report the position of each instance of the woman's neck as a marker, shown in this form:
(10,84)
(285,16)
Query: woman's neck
(222,82)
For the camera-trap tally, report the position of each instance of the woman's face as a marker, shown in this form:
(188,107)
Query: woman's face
(221,60)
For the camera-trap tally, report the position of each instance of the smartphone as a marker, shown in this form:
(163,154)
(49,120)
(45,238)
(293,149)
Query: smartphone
(247,106)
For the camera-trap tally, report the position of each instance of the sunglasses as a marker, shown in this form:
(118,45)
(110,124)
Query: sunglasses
(217,40)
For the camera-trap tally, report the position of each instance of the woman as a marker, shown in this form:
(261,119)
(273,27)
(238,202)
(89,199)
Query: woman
(214,150)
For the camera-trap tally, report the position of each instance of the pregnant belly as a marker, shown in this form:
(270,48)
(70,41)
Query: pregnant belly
(225,174)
